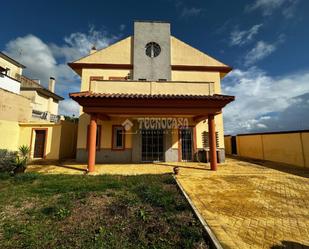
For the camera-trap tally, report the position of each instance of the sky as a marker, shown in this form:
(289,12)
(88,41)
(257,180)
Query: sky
(266,42)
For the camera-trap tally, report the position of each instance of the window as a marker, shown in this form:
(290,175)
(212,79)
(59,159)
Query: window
(152,49)
(205,139)
(98,139)
(118,138)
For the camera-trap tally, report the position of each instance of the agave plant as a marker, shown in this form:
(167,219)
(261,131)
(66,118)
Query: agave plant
(22,158)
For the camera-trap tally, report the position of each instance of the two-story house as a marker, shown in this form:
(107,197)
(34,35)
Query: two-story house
(29,115)
(131,89)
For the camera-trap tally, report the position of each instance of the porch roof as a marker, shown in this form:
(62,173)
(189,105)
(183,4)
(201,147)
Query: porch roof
(89,94)
(154,104)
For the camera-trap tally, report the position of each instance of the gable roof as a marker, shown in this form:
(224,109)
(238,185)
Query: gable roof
(16,63)
(30,85)
(120,56)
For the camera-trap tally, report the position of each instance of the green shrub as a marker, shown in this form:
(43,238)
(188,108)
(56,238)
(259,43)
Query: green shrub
(7,160)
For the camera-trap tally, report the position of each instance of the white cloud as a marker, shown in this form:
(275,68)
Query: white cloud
(243,37)
(43,60)
(69,107)
(260,51)
(267,7)
(265,103)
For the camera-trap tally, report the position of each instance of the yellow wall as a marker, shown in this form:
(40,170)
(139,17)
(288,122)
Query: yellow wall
(106,73)
(290,148)
(228,145)
(9,134)
(53,138)
(213,77)
(118,53)
(250,146)
(106,132)
(61,138)
(184,54)
(68,140)
(139,87)
(305,143)
(14,107)
(41,103)
(13,68)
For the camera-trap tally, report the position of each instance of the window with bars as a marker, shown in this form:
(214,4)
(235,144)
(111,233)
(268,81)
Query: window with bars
(205,139)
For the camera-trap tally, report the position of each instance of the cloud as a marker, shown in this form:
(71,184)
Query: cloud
(69,107)
(243,37)
(192,11)
(43,60)
(260,51)
(267,7)
(265,103)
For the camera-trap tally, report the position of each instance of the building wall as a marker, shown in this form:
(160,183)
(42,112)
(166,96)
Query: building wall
(60,140)
(13,68)
(9,84)
(145,67)
(27,137)
(228,145)
(68,140)
(287,147)
(14,107)
(9,134)
(41,103)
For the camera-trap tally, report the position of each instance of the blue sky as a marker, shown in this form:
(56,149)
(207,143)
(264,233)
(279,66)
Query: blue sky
(265,41)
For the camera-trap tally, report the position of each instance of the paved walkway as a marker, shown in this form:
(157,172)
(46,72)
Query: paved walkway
(246,205)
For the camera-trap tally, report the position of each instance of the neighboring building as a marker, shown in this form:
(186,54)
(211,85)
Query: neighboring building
(45,103)
(29,115)
(149,74)
(10,71)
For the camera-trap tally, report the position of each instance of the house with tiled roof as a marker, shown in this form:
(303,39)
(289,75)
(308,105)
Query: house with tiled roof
(150,97)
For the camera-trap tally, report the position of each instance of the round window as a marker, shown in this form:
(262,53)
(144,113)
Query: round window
(152,49)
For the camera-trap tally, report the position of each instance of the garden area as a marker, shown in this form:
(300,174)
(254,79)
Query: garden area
(106,211)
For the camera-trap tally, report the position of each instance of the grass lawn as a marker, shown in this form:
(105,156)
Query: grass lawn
(73,211)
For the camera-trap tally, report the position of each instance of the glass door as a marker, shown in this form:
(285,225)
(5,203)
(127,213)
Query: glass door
(186,136)
(152,145)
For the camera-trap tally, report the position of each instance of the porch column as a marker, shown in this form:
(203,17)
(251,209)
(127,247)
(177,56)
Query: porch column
(212,142)
(92,142)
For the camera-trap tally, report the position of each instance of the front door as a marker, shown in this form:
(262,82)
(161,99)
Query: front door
(152,145)
(39,144)
(186,138)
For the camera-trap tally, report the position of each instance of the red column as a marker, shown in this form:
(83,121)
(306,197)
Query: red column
(212,142)
(92,142)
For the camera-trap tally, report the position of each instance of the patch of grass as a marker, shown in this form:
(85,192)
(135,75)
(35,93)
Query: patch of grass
(62,211)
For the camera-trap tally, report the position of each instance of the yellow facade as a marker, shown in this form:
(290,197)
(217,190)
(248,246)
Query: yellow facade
(14,71)
(288,147)
(60,138)
(102,80)
(9,133)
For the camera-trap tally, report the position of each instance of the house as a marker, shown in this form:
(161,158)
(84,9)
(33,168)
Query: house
(10,70)
(29,115)
(150,97)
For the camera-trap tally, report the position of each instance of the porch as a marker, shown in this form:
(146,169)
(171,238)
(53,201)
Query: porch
(105,107)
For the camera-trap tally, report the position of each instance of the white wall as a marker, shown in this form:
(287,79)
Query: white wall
(9,84)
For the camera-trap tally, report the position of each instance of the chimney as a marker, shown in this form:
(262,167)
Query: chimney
(93,50)
(51,84)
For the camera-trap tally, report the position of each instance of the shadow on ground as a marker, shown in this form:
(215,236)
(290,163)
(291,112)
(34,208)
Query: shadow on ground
(286,168)
(290,245)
